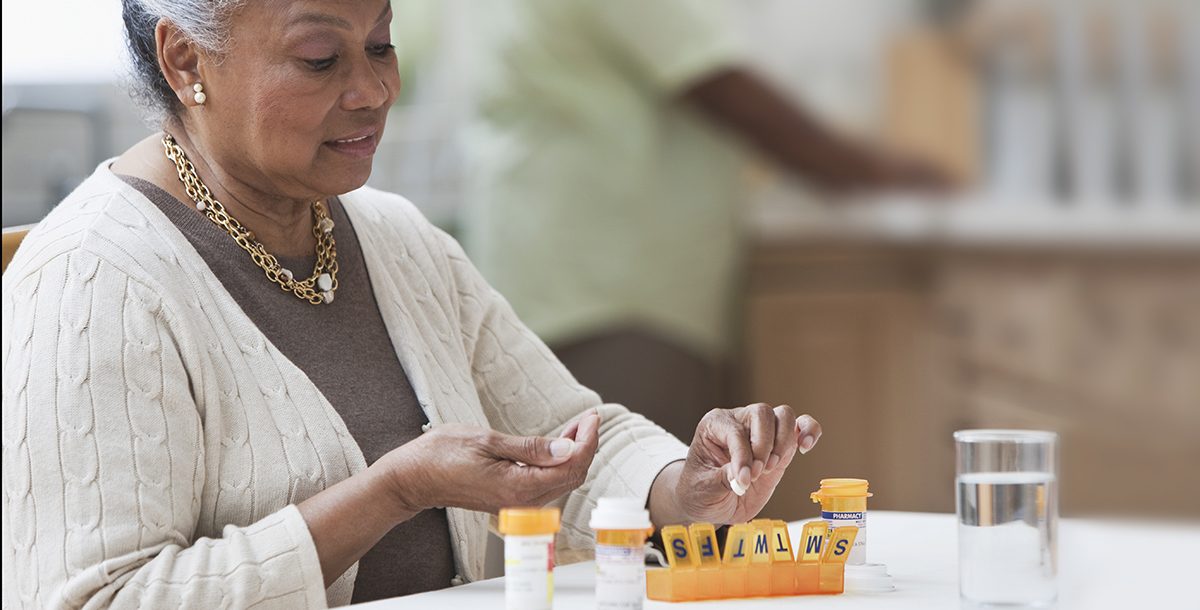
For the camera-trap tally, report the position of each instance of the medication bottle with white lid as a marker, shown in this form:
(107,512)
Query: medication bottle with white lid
(622,526)
(529,557)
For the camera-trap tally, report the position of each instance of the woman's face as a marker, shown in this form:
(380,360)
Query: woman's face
(297,105)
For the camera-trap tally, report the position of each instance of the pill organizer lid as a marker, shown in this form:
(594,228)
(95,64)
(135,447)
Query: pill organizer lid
(620,514)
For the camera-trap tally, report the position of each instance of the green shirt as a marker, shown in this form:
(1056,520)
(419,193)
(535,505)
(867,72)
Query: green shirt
(597,198)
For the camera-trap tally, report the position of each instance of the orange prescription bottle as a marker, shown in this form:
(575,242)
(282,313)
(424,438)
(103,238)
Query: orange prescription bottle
(528,557)
(844,502)
(622,526)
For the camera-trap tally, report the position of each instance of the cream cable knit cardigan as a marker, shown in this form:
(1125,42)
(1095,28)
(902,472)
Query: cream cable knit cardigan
(155,443)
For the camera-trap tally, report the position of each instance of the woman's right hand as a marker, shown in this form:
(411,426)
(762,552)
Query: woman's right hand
(480,469)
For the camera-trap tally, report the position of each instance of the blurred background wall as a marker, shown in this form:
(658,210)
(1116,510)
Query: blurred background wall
(1061,290)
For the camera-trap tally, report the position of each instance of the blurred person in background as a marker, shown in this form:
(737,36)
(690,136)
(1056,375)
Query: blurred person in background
(607,153)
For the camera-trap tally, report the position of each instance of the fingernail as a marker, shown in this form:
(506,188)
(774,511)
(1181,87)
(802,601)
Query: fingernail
(772,462)
(802,422)
(757,470)
(561,447)
(807,443)
(744,477)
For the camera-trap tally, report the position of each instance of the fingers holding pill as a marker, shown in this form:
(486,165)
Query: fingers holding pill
(738,457)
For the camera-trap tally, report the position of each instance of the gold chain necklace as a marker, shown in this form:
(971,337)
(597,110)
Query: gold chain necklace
(318,288)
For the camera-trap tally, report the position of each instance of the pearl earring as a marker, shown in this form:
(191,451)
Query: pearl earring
(199,97)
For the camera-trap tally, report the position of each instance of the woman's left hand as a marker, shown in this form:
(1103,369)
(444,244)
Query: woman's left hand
(748,449)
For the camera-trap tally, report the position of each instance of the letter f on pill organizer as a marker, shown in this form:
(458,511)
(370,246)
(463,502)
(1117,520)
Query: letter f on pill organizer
(704,543)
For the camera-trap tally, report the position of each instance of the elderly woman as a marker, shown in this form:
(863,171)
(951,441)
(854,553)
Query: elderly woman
(234,376)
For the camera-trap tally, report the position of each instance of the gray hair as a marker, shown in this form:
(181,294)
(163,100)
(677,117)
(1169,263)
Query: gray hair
(204,22)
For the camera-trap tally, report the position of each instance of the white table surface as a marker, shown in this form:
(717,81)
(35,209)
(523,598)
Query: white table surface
(1098,568)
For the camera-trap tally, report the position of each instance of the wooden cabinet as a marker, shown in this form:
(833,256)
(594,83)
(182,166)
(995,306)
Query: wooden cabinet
(1103,349)
(894,348)
(840,332)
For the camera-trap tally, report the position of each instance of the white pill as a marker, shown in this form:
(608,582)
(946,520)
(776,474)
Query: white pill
(737,487)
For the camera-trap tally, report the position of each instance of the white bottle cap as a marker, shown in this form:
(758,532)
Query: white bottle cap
(620,514)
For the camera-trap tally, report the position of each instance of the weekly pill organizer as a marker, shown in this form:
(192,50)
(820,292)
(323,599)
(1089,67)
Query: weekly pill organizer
(757,560)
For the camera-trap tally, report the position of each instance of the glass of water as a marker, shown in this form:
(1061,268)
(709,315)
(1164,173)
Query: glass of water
(1007,497)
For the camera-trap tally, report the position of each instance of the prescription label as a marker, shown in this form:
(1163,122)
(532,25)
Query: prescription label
(528,572)
(858,555)
(620,577)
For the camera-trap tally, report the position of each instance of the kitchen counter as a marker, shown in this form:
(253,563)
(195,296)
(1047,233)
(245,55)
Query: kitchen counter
(778,215)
